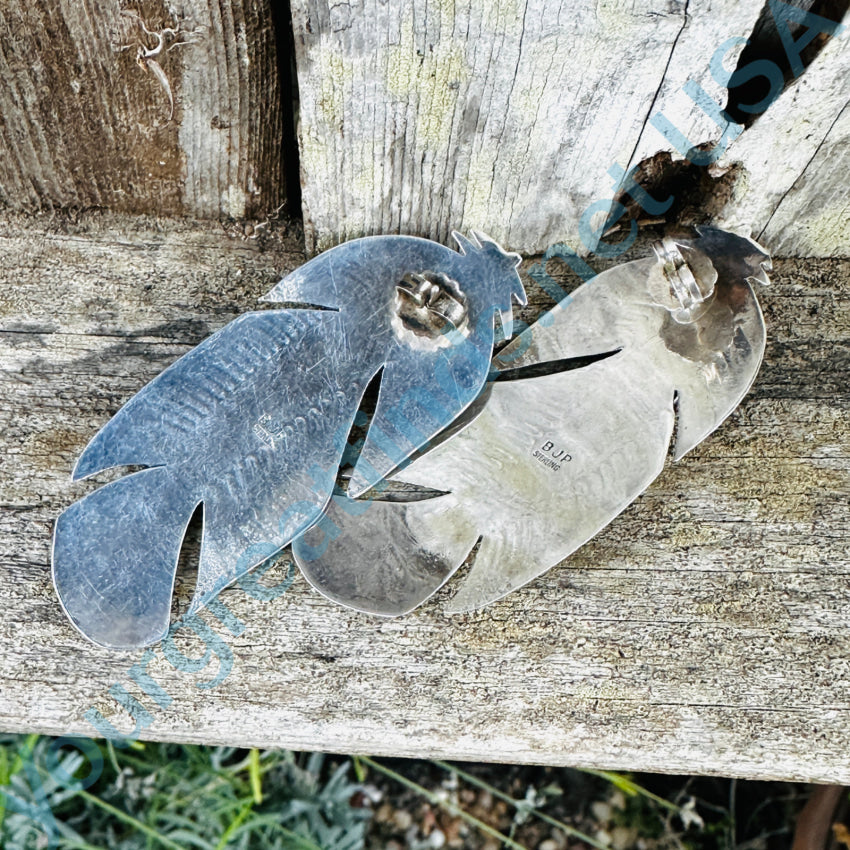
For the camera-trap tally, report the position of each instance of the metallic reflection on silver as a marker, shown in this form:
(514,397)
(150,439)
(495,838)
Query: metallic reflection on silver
(253,423)
(551,460)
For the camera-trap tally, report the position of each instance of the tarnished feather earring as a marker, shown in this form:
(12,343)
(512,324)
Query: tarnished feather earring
(671,340)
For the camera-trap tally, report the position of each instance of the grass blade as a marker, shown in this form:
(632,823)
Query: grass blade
(129,820)
(629,786)
(235,824)
(256,776)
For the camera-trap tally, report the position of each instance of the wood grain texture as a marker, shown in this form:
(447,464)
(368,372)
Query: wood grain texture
(425,117)
(82,124)
(706,630)
(795,189)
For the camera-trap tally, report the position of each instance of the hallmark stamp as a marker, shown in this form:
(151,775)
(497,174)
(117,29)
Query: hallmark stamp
(551,456)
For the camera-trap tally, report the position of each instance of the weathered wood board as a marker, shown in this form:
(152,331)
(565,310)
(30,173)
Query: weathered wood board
(505,117)
(510,118)
(83,124)
(795,187)
(706,630)
(516,118)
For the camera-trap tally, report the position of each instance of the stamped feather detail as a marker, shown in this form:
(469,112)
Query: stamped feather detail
(252,424)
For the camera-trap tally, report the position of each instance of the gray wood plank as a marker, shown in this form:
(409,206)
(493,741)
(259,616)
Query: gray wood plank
(706,630)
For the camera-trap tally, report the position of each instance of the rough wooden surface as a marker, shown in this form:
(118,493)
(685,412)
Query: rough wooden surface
(82,124)
(706,630)
(428,117)
(414,118)
(425,117)
(795,189)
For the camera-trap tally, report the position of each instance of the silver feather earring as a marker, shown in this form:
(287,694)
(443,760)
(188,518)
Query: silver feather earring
(548,461)
(252,424)
(530,455)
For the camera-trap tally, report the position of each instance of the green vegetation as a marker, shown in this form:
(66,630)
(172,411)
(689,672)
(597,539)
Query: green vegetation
(178,796)
(148,795)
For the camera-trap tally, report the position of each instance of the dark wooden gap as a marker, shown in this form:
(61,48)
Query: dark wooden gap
(359,428)
(550,367)
(696,192)
(765,43)
(282,22)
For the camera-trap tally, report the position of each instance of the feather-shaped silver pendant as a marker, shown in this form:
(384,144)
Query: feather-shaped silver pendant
(545,462)
(252,424)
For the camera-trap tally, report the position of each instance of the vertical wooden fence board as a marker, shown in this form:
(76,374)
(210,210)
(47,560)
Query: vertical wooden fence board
(710,31)
(795,190)
(423,117)
(83,124)
(813,219)
(230,131)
